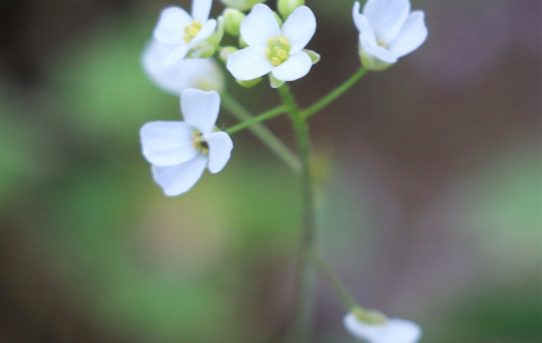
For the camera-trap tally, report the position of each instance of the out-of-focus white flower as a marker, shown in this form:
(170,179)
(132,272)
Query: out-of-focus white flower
(272,49)
(179,151)
(200,73)
(181,31)
(391,330)
(388,31)
(242,5)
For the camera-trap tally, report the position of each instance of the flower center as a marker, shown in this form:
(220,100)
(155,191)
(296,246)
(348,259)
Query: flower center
(191,31)
(199,143)
(278,50)
(381,43)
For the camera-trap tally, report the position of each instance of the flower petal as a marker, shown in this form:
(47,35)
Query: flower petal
(188,73)
(249,63)
(394,331)
(201,10)
(167,143)
(206,31)
(259,25)
(295,67)
(387,17)
(171,24)
(299,28)
(220,146)
(180,178)
(364,28)
(411,36)
(200,108)
(369,46)
(177,54)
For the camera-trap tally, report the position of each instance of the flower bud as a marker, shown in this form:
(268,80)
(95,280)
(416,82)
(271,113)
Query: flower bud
(226,52)
(369,316)
(286,7)
(232,21)
(241,5)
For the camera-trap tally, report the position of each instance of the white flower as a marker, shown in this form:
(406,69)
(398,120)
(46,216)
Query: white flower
(392,331)
(181,31)
(179,151)
(388,31)
(200,73)
(272,49)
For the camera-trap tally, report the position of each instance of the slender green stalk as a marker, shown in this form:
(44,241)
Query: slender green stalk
(305,276)
(334,94)
(272,113)
(342,294)
(264,134)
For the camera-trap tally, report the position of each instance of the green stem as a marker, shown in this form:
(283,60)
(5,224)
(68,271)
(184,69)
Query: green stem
(261,132)
(272,113)
(342,294)
(305,276)
(334,94)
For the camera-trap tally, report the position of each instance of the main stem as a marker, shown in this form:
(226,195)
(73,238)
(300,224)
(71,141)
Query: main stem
(305,276)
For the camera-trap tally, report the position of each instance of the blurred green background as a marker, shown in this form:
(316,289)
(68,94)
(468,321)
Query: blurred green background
(431,209)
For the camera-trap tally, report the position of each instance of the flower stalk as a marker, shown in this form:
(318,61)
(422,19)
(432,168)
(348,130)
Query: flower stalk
(305,275)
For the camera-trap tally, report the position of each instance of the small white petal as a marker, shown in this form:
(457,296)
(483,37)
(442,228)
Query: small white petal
(167,143)
(187,73)
(259,26)
(170,27)
(299,28)
(249,63)
(177,54)
(372,49)
(206,31)
(200,108)
(180,178)
(364,27)
(394,331)
(295,67)
(411,36)
(220,146)
(201,10)
(387,17)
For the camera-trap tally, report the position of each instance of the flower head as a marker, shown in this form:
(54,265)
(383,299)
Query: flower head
(179,151)
(274,49)
(181,31)
(388,31)
(382,330)
(200,73)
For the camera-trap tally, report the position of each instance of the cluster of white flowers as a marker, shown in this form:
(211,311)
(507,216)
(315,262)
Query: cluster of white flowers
(179,59)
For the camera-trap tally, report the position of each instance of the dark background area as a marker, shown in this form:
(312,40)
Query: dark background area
(431,184)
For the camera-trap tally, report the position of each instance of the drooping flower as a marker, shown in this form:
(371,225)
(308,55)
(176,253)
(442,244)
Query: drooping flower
(273,49)
(181,31)
(200,73)
(391,330)
(179,151)
(388,31)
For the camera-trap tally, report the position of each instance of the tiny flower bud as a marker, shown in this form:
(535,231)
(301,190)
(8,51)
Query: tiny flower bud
(241,5)
(286,7)
(225,53)
(249,83)
(204,50)
(232,21)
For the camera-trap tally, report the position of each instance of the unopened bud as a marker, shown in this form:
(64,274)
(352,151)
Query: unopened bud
(232,21)
(226,52)
(241,5)
(286,7)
